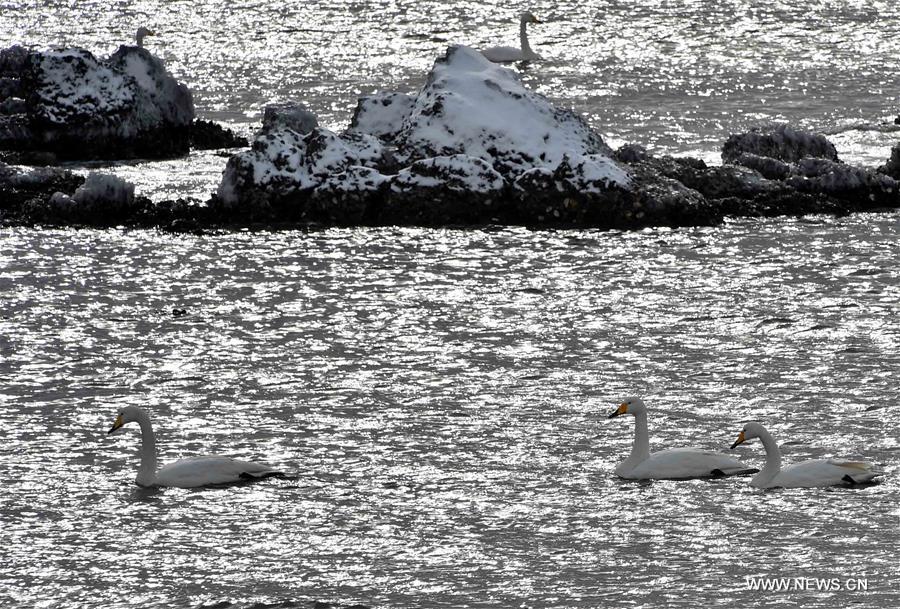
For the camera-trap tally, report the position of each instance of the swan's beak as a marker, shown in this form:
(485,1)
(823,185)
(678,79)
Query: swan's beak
(740,440)
(622,409)
(116,425)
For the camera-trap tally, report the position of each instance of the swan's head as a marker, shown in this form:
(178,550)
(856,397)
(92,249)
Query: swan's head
(141,33)
(629,406)
(528,17)
(750,431)
(127,414)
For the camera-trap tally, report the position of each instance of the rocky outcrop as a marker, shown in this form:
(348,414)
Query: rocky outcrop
(782,142)
(78,106)
(67,104)
(473,147)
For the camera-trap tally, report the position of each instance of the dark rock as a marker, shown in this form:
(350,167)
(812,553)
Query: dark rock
(206,135)
(782,142)
(289,115)
(892,167)
(769,168)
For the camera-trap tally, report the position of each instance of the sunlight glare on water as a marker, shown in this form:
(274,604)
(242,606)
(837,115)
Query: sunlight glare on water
(442,398)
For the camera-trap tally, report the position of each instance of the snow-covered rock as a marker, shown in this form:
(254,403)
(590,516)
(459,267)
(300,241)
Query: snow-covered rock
(284,163)
(19,185)
(474,107)
(782,142)
(80,106)
(347,198)
(104,190)
(455,189)
(382,114)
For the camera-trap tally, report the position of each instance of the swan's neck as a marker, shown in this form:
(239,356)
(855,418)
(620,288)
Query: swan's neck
(640,450)
(523,36)
(147,470)
(773,459)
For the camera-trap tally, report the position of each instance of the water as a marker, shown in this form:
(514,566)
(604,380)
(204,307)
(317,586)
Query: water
(442,395)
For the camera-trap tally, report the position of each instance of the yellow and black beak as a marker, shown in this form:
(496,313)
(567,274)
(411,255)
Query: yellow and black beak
(622,409)
(117,424)
(740,440)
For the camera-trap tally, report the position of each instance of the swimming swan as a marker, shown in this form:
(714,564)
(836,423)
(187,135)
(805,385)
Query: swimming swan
(142,33)
(674,463)
(507,54)
(186,473)
(815,472)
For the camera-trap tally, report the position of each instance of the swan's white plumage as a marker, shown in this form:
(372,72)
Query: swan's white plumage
(673,463)
(508,54)
(811,473)
(185,473)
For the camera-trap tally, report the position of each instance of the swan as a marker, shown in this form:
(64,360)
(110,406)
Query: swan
(185,473)
(507,54)
(674,463)
(815,472)
(141,33)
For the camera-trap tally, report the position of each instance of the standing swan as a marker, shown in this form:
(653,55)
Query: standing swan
(815,472)
(674,463)
(186,473)
(507,54)
(142,33)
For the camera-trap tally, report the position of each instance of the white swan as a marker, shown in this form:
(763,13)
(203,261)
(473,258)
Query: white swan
(507,54)
(815,472)
(142,33)
(674,463)
(186,473)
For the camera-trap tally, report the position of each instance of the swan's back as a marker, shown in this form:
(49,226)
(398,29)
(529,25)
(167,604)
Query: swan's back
(682,463)
(503,54)
(204,471)
(824,472)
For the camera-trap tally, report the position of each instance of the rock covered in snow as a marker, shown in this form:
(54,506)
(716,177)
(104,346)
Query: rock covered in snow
(782,142)
(474,107)
(283,163)
(382,114)
(19,186)
(456,189)
(80,106)
(349,198)
(101,200)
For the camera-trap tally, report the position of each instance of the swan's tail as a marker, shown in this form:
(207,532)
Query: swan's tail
(261,474)
(734,471)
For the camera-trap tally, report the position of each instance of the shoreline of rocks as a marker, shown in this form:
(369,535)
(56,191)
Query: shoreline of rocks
(473,147)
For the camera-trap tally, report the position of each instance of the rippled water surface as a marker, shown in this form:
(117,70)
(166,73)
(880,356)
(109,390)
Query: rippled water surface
(441,396)
(442,399)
